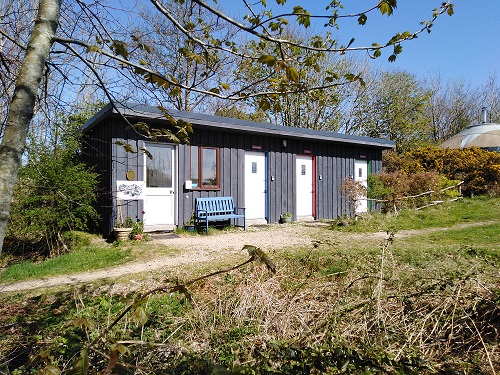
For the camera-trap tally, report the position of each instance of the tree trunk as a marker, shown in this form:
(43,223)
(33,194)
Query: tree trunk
(23,102)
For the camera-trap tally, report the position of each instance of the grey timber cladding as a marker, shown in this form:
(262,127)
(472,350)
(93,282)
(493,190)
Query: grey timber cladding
(334,156)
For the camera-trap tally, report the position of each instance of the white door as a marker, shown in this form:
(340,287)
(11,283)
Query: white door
(304,198)
(361,176)
(255,186)
(159,205)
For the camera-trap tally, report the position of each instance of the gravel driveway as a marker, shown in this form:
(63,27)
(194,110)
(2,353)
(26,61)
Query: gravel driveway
(193,249)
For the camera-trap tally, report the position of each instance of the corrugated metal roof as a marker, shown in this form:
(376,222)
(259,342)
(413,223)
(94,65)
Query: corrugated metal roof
(219,122)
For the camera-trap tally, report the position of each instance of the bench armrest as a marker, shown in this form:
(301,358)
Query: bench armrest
(201,211)
(240,208)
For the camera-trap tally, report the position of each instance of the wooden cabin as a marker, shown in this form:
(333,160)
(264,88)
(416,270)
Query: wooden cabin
(266,168)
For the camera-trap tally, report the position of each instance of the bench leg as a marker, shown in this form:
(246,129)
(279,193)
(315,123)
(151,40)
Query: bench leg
(206,222)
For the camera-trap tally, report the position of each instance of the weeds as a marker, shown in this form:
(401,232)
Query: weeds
(415,304)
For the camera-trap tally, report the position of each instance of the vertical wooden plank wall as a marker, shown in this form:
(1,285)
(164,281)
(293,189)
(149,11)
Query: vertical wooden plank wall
(334,162)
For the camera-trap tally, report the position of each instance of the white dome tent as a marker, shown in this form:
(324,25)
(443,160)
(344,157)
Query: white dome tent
(484,135)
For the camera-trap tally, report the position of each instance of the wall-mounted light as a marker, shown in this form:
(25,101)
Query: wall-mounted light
(283,143)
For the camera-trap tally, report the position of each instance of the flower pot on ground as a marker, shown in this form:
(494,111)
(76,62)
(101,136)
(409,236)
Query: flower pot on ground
(286,218)
(122,234)
(137,230)
(123,228)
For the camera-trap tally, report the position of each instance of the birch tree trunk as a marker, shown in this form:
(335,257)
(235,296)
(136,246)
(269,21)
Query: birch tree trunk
(23,102)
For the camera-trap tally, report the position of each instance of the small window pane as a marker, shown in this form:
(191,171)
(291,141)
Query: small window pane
(254,167)
(303,170)
(209,168)
(360,172)
(194,166)
(159,168)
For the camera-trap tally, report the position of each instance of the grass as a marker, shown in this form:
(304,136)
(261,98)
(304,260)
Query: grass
(478,209)
(83,259)
(426,303)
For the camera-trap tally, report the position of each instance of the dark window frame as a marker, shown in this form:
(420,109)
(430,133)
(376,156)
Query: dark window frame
(200,168)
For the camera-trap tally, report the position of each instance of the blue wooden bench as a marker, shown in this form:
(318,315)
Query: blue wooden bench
(217,209)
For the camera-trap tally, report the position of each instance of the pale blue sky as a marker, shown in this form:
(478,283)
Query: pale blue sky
(464,46)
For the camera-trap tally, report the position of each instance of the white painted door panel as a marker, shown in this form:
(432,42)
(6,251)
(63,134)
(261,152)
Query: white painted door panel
(304,176)
(361,175)
(159,205)
(255,185)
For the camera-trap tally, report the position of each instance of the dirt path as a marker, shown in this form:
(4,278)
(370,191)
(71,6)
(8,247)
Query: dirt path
(202,249)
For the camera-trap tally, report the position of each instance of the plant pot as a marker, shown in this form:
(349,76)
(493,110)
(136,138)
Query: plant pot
(286,219)
(190,228)
(122,234)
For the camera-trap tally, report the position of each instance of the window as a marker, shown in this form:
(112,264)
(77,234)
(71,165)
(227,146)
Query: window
(303,170)
(254,167)
(205,167)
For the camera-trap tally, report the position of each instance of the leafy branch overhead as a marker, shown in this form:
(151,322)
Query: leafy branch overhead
(205,48)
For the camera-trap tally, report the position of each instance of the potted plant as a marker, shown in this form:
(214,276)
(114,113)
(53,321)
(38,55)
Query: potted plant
(190,225)
(286,218)
(122,227)
(137,230)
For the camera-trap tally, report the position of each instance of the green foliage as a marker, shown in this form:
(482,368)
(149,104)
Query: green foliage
(342,307)
(54,194)
(393,107)
(478,168)
(395,188)
(467,210)
(85,257)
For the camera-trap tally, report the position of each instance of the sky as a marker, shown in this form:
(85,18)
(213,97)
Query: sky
(465,46)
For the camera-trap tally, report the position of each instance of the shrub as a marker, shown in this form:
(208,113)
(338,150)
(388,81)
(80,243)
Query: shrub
(478,168)
(54,194)
(398,190)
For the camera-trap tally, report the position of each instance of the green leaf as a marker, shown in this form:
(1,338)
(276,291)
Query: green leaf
(122,349)
(225,86)
(93,49)
(450,10)
(349,76)
(377,53)
(147,153)
(392,58)
(50,370)
(264,104)
(268,60)
(304,19)
(398,49)
(362,19)
(80,322)
(292,74)
(81,367)
(387,6)
(120,48)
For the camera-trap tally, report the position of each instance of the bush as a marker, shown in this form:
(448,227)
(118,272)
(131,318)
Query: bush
(398,190)
(54,194)
(478,168)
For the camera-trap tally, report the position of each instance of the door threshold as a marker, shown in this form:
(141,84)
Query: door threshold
(159,228)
